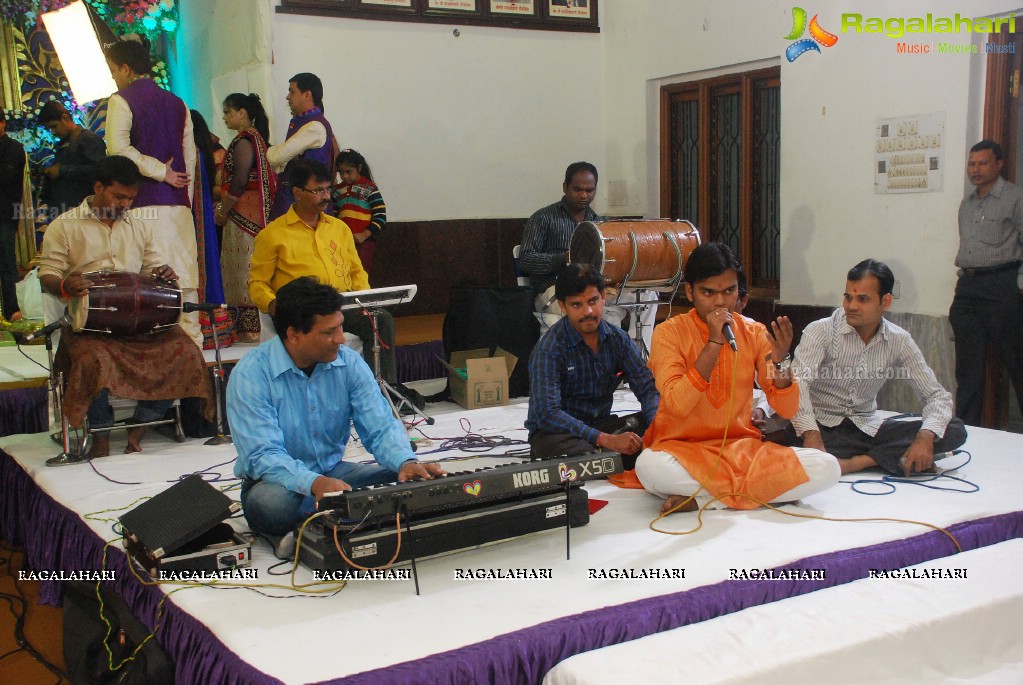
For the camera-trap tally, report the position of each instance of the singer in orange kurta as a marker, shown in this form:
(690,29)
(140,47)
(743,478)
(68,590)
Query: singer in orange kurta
(691,418)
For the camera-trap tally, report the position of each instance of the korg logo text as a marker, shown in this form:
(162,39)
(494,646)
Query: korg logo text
(539,477)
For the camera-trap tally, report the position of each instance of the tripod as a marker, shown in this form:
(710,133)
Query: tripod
(395,399)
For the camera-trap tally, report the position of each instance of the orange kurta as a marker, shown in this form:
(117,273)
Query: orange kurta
(691,415)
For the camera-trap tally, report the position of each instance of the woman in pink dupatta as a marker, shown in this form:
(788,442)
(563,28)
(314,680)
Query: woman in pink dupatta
(246,194)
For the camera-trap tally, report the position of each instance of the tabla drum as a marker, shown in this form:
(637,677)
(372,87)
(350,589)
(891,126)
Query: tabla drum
(638,253)
(124,303)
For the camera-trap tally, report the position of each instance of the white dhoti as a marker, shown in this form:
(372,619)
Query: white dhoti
(174,237)
(663,475)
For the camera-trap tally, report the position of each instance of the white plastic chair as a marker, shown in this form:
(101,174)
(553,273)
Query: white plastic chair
(520,277)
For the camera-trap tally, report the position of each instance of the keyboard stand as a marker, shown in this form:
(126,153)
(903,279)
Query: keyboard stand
(395,399)
(411,546)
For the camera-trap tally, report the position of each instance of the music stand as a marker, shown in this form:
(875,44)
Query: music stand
(372,302)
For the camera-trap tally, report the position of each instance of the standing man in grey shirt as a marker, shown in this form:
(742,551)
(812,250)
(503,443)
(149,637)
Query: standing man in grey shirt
(986,307)
(844,360)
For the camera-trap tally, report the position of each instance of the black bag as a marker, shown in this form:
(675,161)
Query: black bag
(86,657)
(480,317)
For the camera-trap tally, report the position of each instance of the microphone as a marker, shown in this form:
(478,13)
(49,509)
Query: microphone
(47,330)
(730,337)
(937,457)
(188,307)
(631,425)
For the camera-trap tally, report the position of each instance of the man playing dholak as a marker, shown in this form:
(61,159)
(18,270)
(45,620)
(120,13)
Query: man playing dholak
(702,442)
(154,369)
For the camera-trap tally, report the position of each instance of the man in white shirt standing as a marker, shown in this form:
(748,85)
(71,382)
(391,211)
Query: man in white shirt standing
(152,127)
(844,360)
(309,137)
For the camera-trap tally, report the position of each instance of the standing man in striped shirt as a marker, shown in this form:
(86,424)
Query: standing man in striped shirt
(844,360)
(574,371)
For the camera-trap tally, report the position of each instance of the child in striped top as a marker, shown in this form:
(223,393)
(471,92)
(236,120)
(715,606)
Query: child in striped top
(357,202)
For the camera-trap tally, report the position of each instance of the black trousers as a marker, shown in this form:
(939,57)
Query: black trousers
(986,308)
(8,268)
(892,440)
(544,445)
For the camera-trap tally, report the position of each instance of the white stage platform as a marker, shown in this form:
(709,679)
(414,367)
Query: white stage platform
(510,630)
(937,630)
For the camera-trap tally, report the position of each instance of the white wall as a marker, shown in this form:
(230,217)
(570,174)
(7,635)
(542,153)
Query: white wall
(220,47)
(483,125)
(831,217)
(479,125)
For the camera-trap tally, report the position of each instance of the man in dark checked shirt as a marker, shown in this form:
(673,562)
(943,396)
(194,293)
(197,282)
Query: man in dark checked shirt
(574,371)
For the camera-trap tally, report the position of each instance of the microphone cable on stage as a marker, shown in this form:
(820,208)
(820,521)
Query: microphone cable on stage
(473,443)
(922,480)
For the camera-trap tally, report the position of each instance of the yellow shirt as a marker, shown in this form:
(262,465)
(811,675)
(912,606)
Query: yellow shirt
(288,248)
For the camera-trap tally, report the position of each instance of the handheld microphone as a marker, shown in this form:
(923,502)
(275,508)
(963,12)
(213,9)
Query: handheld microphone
(47,330)
(188,307)
(937,457)
(730,337)
(631,425)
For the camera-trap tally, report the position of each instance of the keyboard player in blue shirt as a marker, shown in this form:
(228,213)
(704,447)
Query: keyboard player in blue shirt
(291,403)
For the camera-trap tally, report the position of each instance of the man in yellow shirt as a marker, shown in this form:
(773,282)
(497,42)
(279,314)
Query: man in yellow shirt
(307,242)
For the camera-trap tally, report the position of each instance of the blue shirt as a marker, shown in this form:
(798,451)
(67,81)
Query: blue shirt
(290,428)
(571,387)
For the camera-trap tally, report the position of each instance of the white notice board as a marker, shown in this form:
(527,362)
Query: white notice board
(909,153)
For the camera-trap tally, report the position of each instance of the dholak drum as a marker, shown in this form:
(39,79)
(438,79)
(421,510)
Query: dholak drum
(123,303)
(639,253)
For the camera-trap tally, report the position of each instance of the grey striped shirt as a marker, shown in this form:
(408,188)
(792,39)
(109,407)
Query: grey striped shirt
(840,376)
(546,239)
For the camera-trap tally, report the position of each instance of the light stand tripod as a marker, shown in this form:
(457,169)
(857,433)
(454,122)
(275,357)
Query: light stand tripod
(218,389)
(395,399)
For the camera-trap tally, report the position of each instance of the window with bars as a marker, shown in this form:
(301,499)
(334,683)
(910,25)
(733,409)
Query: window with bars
(720,166)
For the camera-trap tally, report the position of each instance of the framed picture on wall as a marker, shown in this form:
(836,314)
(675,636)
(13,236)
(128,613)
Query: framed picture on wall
(394,5)
(574,11)
(467,7)
(554,15)
(513,9)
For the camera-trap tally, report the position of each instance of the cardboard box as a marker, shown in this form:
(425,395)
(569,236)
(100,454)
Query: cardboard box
(479,380)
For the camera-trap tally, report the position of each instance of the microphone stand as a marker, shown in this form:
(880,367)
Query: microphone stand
(67,456)
(218,388)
